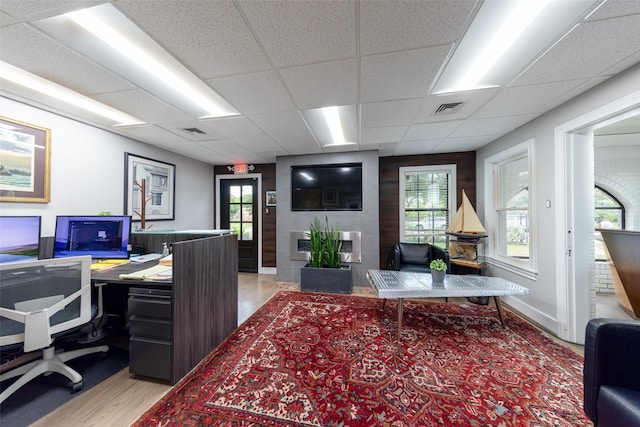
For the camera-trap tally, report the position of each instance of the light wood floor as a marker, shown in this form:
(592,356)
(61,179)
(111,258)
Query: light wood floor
(121,399)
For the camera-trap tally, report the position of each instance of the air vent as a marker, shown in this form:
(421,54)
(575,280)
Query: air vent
(194,131)
(449,108)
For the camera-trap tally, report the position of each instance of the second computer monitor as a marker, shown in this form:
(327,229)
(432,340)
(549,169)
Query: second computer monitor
(102,237)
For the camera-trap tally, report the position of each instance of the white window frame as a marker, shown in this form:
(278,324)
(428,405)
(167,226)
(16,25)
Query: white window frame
(523,267)
(450,169)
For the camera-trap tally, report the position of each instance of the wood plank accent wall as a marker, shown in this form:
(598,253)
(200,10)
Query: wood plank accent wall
(205,298)
(268,172)
(390,187)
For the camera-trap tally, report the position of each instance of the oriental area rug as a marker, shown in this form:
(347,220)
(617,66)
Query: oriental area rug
(308,359)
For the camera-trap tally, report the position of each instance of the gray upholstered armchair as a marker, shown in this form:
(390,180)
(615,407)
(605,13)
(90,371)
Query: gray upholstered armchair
(611,372)
(417,256)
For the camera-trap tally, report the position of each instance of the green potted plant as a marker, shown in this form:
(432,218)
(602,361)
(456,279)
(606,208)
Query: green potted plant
(325,271)
(438,270)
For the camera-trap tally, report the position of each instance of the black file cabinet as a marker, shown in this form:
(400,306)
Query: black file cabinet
(151,330)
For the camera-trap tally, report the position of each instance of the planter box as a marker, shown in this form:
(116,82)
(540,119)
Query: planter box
(331,280)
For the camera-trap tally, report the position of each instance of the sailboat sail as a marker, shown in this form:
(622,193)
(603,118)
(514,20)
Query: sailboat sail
(466,221)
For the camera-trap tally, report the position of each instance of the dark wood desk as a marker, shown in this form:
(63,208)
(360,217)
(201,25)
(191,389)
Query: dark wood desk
(174,324)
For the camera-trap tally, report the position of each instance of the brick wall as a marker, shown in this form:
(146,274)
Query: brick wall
(600,278)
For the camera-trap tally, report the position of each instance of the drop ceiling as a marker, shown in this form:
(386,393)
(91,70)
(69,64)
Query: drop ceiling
(271,60)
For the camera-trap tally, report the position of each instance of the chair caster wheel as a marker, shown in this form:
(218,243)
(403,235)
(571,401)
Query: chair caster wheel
(77,387)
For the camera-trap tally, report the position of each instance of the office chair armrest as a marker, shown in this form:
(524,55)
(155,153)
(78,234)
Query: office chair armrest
(611,353)
(396,256)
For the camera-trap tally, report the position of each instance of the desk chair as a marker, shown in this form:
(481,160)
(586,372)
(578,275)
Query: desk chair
(39,301)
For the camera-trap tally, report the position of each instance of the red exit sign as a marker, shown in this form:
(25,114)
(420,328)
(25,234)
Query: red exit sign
(241,168)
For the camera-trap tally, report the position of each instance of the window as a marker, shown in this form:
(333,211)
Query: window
(609,214)
(509,206)
(426,195)
(241,211)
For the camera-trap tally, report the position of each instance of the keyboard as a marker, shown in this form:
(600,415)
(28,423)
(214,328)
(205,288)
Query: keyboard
(146,258)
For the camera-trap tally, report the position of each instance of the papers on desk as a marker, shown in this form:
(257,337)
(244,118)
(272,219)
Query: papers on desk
(106,264)
(168,260)
(158,272)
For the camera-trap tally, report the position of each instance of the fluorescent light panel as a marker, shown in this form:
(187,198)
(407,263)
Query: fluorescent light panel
(109,38)
(334,126)
(503,38)
(23,82)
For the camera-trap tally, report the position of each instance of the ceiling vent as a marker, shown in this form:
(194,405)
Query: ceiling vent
(194,131)
(449,108)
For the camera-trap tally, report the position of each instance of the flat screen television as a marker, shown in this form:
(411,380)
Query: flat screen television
(102,237)
(19,238)
(336,187)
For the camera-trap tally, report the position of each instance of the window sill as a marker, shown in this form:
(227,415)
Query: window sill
(524,271)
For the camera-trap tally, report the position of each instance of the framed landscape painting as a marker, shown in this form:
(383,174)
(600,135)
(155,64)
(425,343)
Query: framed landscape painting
(25,162)
(158,180)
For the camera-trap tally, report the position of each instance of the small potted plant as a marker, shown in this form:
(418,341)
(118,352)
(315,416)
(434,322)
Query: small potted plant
(438,270)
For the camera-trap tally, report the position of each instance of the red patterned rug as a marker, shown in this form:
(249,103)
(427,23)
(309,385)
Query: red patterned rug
(332,360)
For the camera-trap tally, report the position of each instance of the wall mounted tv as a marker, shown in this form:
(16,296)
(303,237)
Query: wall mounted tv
(102,237)
(20,238)
(336,187)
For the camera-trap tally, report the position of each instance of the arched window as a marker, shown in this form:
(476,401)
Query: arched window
(609,214)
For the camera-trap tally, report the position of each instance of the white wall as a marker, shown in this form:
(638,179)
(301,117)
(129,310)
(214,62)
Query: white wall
(87,173)
(541,305)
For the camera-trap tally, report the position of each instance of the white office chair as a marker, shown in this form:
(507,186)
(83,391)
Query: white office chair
(40,300)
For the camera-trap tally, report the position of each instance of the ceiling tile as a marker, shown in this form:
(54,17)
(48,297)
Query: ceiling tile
(400,75)
(470,143)
(254,93)
(390,113)
(407,148)
(143,106)
(152,134)
(392,25)
(283,123)
(232,127)
(299,32)
(299,144)
(431,131)
(382,135)
(259,145)
(30,50)
(586,51)
(323,85)
(492,126)
(22,8)
(232,151)
(200,33)
(509,101)
(613,8)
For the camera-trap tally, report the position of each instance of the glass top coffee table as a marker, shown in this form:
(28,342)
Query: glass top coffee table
(405,284)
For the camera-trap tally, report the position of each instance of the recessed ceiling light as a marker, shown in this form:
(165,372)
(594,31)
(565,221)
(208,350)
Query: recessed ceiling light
(504,37)
(106,36)
(50,93)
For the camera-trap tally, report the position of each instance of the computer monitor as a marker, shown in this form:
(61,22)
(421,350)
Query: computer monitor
(19,238)
(102,237)
(38,284)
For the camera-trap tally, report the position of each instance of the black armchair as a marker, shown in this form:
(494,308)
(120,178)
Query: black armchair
(611,372)
(417,256)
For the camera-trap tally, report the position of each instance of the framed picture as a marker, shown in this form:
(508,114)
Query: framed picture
(25,162)
(271,198)
(157,180)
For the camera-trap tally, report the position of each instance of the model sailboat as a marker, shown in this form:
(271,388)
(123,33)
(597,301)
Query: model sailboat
(466,223)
